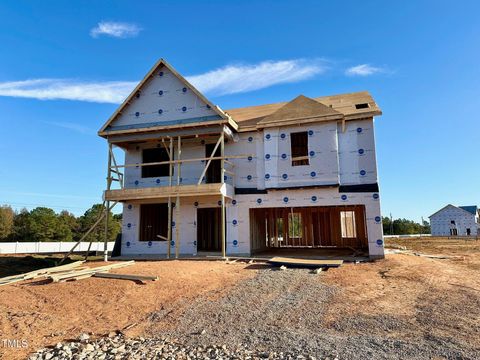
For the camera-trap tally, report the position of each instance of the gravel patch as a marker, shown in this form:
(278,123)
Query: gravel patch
(283,311)
(274,310)
(118,347)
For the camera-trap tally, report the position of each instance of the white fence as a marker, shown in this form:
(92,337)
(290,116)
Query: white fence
(49,247)
(406,236)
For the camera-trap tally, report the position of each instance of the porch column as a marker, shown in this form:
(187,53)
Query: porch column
(223,212)
(107,203)
(170,173)
(177,203)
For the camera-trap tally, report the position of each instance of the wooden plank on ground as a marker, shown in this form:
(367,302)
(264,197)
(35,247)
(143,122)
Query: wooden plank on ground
(306,263)
(139,278)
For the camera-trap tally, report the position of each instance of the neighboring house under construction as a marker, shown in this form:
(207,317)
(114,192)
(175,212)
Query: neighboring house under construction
(456,221)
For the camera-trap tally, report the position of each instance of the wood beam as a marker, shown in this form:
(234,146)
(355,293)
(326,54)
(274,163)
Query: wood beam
(212,155)
(163,192)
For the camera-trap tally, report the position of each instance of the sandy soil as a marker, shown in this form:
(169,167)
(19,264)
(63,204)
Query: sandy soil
(45,314)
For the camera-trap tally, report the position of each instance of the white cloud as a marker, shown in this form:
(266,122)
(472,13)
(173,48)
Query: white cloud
(52,89)
(229,79)
(363,70)
(115,29)
(71,126)
(233,79)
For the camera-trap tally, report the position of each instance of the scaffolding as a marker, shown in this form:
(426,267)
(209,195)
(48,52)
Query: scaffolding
(172,144)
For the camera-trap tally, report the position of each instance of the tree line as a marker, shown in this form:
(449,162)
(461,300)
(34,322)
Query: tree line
(404,227)
(44,224)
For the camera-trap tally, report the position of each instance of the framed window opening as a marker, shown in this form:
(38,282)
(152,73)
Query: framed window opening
(299,148)
(348,224)
(155,155)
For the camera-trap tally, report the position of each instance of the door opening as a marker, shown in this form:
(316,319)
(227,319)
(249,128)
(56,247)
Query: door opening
(209,229)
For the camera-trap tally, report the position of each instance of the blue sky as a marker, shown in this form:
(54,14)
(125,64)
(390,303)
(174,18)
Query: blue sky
(63,65)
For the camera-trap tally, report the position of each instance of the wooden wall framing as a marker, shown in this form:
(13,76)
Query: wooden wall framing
(320,227)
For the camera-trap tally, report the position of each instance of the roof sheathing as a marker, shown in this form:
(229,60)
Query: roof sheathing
(248,117)
(301,109)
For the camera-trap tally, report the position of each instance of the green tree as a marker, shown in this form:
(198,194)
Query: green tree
(21,226)
(6,222)
(67,226)
(387,225)
(43,224)
(404,227)
(90,217)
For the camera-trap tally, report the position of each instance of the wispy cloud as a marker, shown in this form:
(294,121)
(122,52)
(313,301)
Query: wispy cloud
(363,70)
(229,79)
(72,126)
(240,78)
(115,29)
(47,195)
(52,89)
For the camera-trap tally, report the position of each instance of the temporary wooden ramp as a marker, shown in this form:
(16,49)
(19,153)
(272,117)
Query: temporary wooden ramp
(304,263)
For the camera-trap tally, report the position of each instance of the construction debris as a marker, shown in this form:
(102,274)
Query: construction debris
(41,273)
(413,253)
(74,271)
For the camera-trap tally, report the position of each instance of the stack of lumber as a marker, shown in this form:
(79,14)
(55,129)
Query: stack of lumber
(75,271)
(41,273)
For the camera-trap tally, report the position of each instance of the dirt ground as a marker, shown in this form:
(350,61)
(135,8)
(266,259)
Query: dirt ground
(402,307)
(44,314)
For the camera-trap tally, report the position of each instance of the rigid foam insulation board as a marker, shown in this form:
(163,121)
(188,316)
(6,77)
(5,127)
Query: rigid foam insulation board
(322,150)
(356,153)
(164,100)
(238,222)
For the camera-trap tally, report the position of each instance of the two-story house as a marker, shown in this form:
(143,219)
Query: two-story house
(200,180)
(454,220)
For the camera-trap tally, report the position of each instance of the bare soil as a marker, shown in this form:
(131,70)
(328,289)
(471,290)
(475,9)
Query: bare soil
(46,313)
(402,307)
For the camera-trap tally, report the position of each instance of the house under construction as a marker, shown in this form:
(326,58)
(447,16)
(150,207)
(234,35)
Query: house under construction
(201,180)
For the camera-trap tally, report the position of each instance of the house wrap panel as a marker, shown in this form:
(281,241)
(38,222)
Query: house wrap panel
(356,153)
(238,219)
(322,151)
(164,100)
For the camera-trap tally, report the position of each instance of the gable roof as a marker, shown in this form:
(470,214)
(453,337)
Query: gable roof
(300,108)
(457,207)
(346,104)
(160,63)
